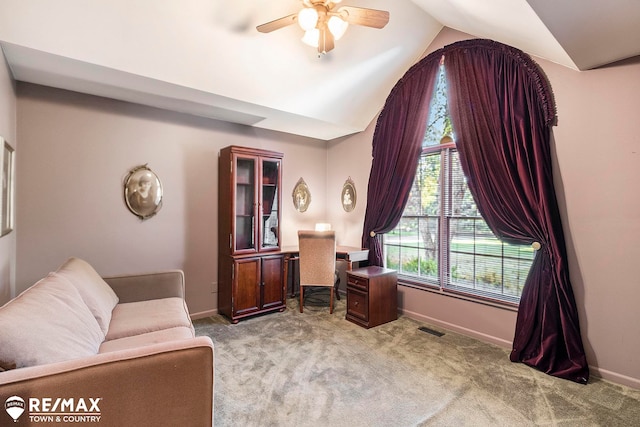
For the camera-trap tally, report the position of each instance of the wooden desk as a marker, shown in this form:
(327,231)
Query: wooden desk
(350,254)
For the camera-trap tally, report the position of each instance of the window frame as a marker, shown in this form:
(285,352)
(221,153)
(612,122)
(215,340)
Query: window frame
(442,283)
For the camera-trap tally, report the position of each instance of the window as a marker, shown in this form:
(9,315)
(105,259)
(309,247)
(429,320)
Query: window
(442,240)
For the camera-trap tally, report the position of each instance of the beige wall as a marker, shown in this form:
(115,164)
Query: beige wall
(597,143)
(597,172)
(75,151)
(8,132)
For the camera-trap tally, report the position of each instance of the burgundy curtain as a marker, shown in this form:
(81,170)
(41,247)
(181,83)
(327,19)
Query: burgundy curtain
(502,111)
(397,144)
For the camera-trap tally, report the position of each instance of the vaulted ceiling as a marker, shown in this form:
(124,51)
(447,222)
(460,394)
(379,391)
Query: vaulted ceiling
(205,57)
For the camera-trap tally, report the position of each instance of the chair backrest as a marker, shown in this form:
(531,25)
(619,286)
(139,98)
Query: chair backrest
(317,257)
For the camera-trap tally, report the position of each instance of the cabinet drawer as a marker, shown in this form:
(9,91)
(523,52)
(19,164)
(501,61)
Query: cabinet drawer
(357,304)
(358,282)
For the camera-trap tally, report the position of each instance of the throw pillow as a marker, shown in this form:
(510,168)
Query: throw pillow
(95,292)
(47,323)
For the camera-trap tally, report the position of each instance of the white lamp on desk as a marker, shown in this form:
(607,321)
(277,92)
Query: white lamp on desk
(323,226)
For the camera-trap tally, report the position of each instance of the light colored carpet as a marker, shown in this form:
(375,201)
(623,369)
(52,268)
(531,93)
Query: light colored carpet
(317,369)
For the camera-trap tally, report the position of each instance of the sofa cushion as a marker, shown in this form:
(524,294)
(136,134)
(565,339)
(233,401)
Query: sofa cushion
(155,337)
(96,293)
(49,322)
(134,318)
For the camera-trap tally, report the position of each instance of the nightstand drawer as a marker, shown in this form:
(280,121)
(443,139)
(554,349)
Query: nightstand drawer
(372,296)
(357,304)
(357,282)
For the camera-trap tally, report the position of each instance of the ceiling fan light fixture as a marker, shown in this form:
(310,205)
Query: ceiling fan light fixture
(324,24)
(311,37)
(337,26)
(308,18)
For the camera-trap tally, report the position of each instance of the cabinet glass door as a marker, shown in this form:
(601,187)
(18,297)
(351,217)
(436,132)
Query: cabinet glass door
(245,203)
(270,204)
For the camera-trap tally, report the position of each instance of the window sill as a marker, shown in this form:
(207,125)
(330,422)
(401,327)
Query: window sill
(458,295)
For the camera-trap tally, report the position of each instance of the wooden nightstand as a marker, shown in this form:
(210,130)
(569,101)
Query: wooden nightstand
(372,296)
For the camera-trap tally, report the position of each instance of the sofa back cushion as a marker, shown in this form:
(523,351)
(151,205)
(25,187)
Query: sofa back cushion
(95,292)
(49,322)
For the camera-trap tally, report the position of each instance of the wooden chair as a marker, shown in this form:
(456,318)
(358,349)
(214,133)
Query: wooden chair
(317,261)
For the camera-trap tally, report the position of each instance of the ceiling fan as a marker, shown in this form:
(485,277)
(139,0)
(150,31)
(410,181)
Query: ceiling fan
(323,23)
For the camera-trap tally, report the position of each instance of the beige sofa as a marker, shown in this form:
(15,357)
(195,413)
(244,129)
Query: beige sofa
(121,348)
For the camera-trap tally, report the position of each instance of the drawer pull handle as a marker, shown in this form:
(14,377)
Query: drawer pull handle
(356,303)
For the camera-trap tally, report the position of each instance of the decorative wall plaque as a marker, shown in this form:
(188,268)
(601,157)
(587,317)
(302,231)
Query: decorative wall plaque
(348,195)
(143,192)
(301,196)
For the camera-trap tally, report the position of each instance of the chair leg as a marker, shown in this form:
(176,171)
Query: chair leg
(301,298)
(331,302)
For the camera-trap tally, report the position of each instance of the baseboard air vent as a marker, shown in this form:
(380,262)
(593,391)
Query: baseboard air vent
(431,331)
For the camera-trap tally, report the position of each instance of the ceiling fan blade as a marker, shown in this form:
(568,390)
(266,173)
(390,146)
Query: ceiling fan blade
(361,16)
(325,40)
(277,23)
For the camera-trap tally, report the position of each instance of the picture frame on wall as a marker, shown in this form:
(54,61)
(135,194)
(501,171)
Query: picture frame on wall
(8,166)
(301,196)
(143,192)
(348,195)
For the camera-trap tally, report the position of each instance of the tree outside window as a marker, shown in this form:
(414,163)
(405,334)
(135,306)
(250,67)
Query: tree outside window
(442,240)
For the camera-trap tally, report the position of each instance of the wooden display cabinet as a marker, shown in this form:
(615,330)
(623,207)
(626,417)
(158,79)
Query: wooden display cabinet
(250,265)
(372,296)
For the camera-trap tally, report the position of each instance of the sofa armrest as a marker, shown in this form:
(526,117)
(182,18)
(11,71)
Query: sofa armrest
(142,287)
(166,384)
